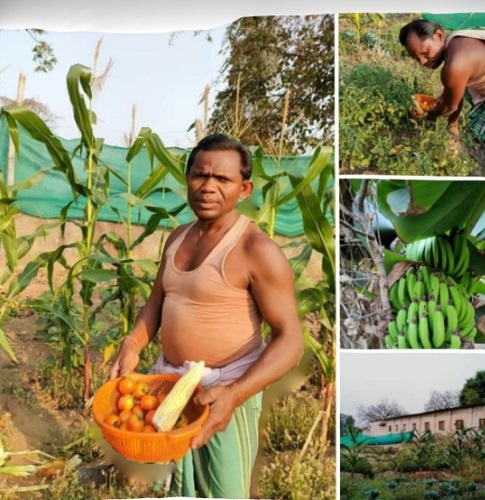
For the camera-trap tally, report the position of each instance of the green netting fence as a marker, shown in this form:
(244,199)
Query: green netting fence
(458,21)
(47,199)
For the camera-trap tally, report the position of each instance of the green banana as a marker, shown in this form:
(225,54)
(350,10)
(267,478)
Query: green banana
(402,291)
(431,309)
(436,252)
(450,258)
(451,318)
(443,263)
(412,334)
(435,286)
(461,254)
(468,317)
(412,311)
(457,242)
(401,342)
(411,282)
(472,286)
(410,251)
(438,329)
(422,307)
(428,251)
(455,342)
(444,296)
(467,331)
(394,297)
(401,319)
(424,332)
(393,330)
(418,291)
(456,298)
(389,341)
(426,275)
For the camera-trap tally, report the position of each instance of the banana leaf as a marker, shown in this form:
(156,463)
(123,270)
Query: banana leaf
(417,211)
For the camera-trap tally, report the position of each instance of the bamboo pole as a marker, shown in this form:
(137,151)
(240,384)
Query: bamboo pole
(11,149)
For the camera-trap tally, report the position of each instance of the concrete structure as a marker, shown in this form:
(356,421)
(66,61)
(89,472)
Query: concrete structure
(438,422)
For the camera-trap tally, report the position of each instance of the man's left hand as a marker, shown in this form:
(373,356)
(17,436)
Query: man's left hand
(222,405)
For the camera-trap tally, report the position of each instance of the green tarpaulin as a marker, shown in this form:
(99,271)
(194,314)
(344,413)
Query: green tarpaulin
(458,21)
(47,198)
(387,439)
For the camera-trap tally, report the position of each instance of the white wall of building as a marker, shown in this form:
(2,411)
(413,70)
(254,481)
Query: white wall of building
(438,422)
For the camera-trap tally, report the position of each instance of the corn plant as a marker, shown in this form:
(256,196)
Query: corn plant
(319,234)
(14,248)
(92,190)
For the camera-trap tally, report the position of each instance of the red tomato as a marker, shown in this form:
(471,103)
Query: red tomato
(126,402)
(149,428)
(138,411)
(124,415)
(148,402)
(113,420)
(126,385)
(134,424)
(140,390)
(149,417)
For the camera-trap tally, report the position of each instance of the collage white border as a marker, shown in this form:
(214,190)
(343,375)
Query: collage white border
(146,16)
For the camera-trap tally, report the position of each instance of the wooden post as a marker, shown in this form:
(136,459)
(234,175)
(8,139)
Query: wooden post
(11,149)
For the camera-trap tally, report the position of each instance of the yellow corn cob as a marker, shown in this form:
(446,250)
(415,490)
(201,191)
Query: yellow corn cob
(171,408)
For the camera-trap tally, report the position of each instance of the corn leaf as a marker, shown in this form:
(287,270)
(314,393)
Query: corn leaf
(5,345)
(79,74)
(318,230)
(99,275)
(163,155)
(317,165)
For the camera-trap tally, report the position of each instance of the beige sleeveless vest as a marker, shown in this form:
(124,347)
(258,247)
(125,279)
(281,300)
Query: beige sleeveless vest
(204,316)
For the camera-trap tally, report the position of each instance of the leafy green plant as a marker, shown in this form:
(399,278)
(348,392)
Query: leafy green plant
(352,456)
(92,190)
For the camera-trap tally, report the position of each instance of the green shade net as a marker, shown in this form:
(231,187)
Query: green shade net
(53,193)
(458,21)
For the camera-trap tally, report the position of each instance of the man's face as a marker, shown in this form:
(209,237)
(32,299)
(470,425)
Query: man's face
(215,184)
(428,52)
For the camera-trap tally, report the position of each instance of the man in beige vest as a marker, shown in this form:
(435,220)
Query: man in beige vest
(462,54)
(219,277)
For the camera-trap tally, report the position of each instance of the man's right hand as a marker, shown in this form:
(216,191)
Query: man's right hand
(126,361)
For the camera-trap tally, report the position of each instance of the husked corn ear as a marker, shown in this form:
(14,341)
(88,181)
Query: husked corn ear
(171,407)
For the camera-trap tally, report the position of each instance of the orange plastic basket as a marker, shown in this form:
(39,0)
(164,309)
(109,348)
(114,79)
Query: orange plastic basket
(423,103)
(160,447)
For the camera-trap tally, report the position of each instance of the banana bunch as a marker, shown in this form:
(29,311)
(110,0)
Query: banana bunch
(447,253)
(432,311)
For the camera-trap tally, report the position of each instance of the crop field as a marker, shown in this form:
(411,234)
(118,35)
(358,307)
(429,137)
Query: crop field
(378,133)
(429,467)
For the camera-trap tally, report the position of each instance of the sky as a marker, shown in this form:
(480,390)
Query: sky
(407,378)
(163,79)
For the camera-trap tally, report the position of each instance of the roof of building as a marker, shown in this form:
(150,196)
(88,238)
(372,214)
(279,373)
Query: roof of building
(428,412)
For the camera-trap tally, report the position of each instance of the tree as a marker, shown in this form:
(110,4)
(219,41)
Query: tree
(442,400)
(381,410)
(279,76)
(346,421)
(44,55)
(473,391)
